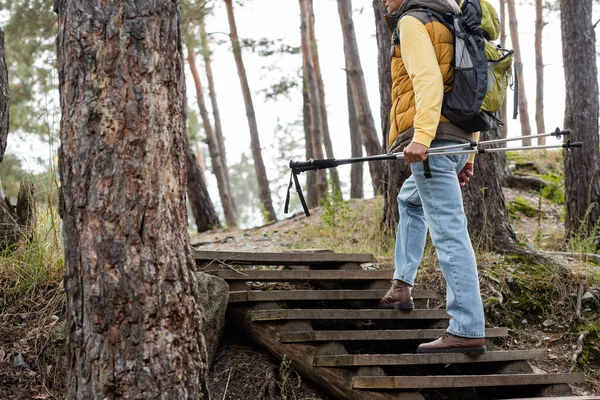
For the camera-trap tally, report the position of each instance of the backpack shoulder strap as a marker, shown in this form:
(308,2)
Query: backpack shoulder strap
(444,19)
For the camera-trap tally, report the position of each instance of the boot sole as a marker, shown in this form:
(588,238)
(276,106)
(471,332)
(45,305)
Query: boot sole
(467,350)
(400,305)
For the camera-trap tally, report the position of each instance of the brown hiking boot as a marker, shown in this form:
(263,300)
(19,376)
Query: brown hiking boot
(449,343)
(398,297)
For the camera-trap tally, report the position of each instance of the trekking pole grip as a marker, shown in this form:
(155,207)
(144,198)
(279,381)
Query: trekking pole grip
(558,133)
(569,145)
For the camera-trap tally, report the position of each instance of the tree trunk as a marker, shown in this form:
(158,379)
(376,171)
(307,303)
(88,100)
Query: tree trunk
(264,192)
(333,172)
(314,108)
(199,158)
(356,170)
(134,326)
(539,72)
(312,198)
(394,172)
(212,92)
(218,166)
(582,178)
(4,99)
(514,36)
(485,205)
(359,92)
(504,110)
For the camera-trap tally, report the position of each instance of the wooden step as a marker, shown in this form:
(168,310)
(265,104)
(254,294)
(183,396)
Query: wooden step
(461,381)
(356,360)
(342,314)
(404,334)
(318,295)
(301,276)
(288,258)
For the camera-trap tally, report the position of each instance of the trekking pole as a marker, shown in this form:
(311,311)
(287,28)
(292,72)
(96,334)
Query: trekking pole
(298,167)
(558,133)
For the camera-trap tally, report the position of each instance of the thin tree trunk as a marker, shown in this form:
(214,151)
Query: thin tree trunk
(394,172)
(582,175)
(356,170)
(264,192)
(333,172)
(212,92)
(539,71)
(199,158)
(504,110)
(218,166)
(314,107)
(514,36)
(359,91)
(4,99)
(134,326)
(312,198)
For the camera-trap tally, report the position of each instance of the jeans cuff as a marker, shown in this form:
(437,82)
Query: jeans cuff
(407,281)
(467,335)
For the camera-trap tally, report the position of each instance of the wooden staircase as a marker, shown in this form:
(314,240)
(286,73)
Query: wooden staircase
(320,313)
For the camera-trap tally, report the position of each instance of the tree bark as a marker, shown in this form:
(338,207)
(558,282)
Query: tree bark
(359,92)
(219,168)
(314,108)
(514,36)
(4,98)
(539,71)
(394,172)
(504,110)
(485,205)
(356,170)
(264,192)
(582,178)
(333,172)
(134,326)
(212,93)
(312,197)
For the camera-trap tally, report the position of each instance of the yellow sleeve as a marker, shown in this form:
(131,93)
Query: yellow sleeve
(424,72)
(472,156)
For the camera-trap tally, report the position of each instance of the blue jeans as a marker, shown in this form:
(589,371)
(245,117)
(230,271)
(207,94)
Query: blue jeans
(436,203)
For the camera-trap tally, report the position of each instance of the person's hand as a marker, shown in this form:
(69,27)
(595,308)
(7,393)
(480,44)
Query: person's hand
(465,174)
(415,152)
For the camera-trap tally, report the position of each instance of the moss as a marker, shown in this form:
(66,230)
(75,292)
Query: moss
(522,206)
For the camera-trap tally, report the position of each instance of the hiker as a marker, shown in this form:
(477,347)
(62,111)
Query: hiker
(422,70)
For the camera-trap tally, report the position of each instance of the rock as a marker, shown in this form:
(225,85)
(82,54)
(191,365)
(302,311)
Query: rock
(548,323)
(19,361)
(214,295)
(587,297)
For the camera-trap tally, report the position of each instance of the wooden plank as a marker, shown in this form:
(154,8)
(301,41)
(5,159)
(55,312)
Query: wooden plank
(561,398)
(288,258)
(460,381)
(357,360)
(318,295)
(300,276)
(335,314)
(337,382)
(350,335)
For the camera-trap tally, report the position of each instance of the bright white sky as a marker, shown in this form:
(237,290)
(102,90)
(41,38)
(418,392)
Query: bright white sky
(279,19)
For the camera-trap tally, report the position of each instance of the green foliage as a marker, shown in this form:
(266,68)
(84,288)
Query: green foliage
(520,205)
(586,240)
(555,190)
(335,209)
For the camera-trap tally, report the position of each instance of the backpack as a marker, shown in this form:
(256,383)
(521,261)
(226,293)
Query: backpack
(482,69)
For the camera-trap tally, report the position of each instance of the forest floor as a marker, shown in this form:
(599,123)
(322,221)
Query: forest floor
(538,303)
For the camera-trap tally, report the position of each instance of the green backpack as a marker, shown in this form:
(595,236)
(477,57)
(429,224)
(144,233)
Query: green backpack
(482,70)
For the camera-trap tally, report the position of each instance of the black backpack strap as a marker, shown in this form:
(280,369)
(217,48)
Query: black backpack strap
(441,18)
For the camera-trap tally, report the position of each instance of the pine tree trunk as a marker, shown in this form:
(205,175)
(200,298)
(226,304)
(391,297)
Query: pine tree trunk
(333,172)
(582,175)
(539,71)
(218,166)
(134,326)
(4,99)
(394,172)
(314,108)
(212,92)
(312,198)
(264,192)
(359,91)
(356,170)
(514,36)
(485,205)
(504,110)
